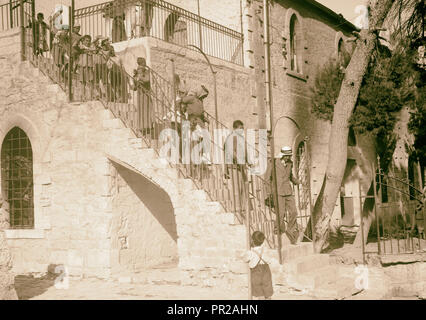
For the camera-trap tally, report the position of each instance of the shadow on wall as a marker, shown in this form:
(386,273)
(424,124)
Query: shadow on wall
(152,196)
(28,286)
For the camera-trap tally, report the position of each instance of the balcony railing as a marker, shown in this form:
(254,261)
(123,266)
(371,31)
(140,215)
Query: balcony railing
(10,16)
(125,19)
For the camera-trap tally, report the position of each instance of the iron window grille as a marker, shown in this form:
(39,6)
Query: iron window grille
(17,178)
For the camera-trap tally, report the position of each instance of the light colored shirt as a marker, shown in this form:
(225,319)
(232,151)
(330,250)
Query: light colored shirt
(254,256)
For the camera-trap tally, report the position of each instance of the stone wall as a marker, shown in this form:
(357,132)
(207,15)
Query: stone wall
(233,81)
(72,179)
(70,221)
(7,289)
(78,211)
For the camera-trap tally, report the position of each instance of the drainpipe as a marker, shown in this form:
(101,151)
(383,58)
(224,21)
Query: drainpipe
(271,115)
(21,11)
(199,25)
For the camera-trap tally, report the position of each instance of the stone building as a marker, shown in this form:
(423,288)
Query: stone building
(90,195)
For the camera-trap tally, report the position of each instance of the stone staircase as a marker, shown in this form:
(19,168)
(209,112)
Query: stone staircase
(210,239)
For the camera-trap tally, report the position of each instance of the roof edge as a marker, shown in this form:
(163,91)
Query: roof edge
(339,17)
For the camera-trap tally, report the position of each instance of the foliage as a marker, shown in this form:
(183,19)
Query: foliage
(388,86)
(326,90)
(410,18)
(417,124)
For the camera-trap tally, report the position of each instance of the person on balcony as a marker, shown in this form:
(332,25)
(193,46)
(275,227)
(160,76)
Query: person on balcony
(286,200)
(116,11)
(59,47)
(142,85)
(75,39)
(84,62)
(236,166)
(104,51)
(192,104)
(40,34)
(118,82)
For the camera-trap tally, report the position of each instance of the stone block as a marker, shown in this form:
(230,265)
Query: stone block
(75,258)
(113,123)
(238,267)
(44,179)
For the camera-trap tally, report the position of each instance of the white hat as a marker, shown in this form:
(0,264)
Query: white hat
(285,151)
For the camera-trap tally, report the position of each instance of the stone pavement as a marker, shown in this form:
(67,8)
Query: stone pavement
(97,289)
(44,288)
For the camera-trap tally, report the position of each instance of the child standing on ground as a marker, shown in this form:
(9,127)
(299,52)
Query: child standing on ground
(261,277)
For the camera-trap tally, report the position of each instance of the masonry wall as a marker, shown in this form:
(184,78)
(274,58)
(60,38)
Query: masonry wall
(233,81)
(70,222)
(70,219)
(73,206)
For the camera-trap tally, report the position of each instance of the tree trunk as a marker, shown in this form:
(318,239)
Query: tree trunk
(7,281)
(338,141)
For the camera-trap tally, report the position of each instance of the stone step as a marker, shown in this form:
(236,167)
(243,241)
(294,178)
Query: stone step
(149,152)
(123,133)
(289,251)
(308,263)
(341,288)
(10,48)
(113,124)
(314,279)
(151,276)
(211,207)
(200,195)
(10,33)
(53,89)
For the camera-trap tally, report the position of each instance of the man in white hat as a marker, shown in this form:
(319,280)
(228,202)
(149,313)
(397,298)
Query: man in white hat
(286,201)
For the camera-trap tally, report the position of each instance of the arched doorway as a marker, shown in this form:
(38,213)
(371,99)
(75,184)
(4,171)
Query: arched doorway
(349,196)
(287,133)
(303,191)
(143,230)
(175,30)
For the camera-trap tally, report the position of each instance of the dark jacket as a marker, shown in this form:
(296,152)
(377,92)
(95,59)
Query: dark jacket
(40,34)
(284,176)
(193,104)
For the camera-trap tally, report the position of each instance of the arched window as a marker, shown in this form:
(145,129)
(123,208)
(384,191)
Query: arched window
(176,30)
(295,45)
(342,54)
(17,178)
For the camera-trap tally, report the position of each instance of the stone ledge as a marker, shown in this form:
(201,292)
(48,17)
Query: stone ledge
(24,233)
(403,258)
(296,75)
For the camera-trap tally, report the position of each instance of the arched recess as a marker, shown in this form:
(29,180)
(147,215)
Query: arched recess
(26,124)
(143,230)
(17,183)
(337,40)
(288,133)
(175,30)
(146,13)
(294,30)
